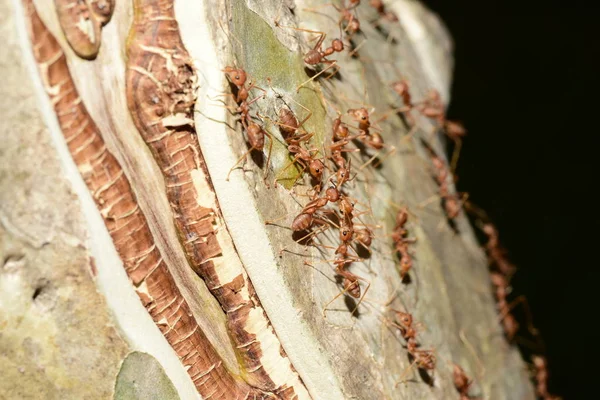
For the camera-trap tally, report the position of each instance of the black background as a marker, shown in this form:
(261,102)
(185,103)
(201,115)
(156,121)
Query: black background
(526,86)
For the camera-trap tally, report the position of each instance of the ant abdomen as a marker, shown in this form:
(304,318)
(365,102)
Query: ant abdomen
(302,222)
(352,287)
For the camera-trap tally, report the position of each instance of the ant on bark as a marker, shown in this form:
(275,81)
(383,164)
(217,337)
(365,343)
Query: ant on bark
(451,202)
(541,378)
(401,242)
(432,107)
(496,253)
(254,133)
(318,55)
(367,136)
(424,359)
(307,160)
(379,6)
(462,382)
(346,16)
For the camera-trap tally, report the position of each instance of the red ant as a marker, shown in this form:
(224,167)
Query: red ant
(352,22)
(509,322)
(424,359)
(238,77)
(255,134)
(366,135)
(317,55)
(433,107)
(541,378)
(380,7)
(452,202)
(496,253)
(462,382)
(306,160)
(402,89)
(305,219)
(401,242)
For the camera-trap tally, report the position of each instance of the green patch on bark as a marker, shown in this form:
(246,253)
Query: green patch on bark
(142,377)
(263,57)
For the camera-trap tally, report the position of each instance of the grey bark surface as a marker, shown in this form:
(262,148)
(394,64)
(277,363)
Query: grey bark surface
(61,338)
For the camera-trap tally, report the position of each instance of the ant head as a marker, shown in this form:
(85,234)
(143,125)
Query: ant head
(359,114)
(489,229)
(453,207)
(498,279)
(454,128)
(400,87)
(337,45)
(402,217)
(316,168)
(539,362)
(434,95)
(406,263)
(346,233)
(236,75)
(405,319)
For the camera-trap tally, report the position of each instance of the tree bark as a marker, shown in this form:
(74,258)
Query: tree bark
(135,264)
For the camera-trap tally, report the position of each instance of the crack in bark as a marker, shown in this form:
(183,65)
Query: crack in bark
(127,225)
(161,86)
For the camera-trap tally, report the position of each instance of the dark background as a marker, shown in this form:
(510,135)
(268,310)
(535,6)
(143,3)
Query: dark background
(526,86)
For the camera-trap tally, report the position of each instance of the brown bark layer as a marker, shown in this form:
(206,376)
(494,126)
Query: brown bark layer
(161,85)
(82,21)
(126,224)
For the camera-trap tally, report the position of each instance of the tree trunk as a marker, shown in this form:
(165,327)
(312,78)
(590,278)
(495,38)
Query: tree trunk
(135,264)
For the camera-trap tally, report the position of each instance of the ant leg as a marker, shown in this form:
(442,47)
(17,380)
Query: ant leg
(522,300)
(310,113)
(428,201)
(343,292)
(410,134)
(400,380)
(390,112)
(455,154)
(296,159)
(389,153)
(268,158)
(361,44)
(237,162)
(216,97)
(363,296)
(332,63)
(471,348)
(321,34)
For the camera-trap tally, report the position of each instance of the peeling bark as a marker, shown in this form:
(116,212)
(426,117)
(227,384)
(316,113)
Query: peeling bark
(126,223)
(161,92)
(82,21)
